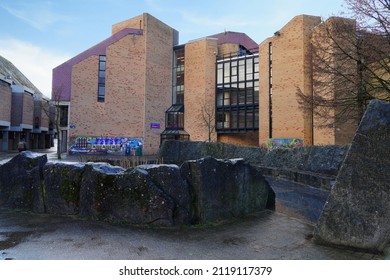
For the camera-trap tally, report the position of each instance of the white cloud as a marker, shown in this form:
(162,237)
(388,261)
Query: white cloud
(37,14)
(35,62)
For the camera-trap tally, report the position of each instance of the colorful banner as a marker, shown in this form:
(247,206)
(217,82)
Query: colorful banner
(274,143)
(106,145)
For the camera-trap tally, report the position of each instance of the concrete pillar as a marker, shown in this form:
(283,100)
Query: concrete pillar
(41,140)
(4,145)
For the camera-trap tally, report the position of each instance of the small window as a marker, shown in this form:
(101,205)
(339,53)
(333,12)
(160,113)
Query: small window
(102,79)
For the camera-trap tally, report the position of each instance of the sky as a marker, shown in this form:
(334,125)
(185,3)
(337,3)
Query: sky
(38,35)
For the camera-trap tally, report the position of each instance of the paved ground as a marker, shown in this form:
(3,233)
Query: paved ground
(265,235)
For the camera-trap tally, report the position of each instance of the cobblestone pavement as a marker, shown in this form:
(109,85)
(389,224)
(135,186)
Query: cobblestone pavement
(269,235)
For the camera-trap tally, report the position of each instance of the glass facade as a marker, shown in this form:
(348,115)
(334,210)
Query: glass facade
(178,76)
(174,116)
(237,94)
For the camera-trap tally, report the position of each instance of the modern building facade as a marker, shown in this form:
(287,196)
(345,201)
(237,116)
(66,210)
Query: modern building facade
(139,87)
(24,112)
(116,93)
(285,65)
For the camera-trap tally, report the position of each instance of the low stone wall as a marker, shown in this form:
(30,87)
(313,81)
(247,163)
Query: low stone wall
(313,165)
(177,152)
(199,191)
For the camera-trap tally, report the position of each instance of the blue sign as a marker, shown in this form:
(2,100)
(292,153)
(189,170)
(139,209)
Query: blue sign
(155,126)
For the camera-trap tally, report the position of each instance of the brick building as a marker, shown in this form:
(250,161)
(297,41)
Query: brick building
(23,111)
(116,93)
(139,87)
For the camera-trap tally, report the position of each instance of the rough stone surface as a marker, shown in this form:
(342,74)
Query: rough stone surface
(127,196)
(222,189)
(203,191)
(177,152)
(168,179)
(62,187)
(357,213)
(316,159)
(21,182)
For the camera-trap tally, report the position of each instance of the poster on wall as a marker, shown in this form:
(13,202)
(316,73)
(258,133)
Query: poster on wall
(106,145)
(274,143)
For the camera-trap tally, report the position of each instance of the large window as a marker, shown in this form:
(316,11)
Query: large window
(102,79)
(63,110)
(237,96)
(178,76)
(175,118)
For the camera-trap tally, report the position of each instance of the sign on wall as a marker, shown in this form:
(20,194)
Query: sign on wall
(107,145)
(155,126)
(274,143)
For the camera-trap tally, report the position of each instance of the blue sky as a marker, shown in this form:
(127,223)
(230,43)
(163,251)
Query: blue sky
(38,35)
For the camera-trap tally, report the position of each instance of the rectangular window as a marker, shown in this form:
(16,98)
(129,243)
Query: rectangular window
(102,79)
(237,90)
(178,76)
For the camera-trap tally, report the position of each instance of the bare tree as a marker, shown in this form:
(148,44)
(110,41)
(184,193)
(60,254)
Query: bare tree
(350,63)
(56,116)
(207,116)
(53,111)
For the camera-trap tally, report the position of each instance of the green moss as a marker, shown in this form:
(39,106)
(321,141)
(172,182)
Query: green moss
(69,189)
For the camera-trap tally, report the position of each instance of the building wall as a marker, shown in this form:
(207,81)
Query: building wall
(135,22)
(138,86)
(17,108)
(160,39)
(121,114)
(227,50)
(5,103)
(242,139)
(22,109)
(199,86)
(290,70)
(329,85)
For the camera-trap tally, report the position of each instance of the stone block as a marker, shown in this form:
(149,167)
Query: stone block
(21,182)
(62,187)
(357,212)
(222,189)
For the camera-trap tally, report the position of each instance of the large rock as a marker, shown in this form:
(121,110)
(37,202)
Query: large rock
(21,182)
(357,213)
(223,189)
(124,196)
(167,178)
(199,191)
(62,183)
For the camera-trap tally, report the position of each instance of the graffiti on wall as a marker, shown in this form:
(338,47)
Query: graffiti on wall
(274,143)
(107,145)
